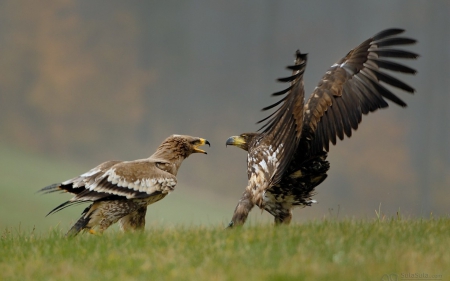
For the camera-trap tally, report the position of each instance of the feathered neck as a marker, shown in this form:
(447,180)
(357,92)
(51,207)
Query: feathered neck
(171,151)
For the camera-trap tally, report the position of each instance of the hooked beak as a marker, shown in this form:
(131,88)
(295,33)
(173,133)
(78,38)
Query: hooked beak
(236,141)
(200,143)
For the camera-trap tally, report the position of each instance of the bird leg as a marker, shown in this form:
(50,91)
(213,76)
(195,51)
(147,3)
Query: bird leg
(134,221)
(242,209)
(283,217)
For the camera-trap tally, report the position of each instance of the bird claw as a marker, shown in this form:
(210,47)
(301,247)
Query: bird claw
(93,232)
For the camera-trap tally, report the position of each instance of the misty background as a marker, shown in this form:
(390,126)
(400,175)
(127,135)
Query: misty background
(82,82)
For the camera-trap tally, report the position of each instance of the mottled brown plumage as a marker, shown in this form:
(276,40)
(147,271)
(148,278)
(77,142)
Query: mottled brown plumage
(122,190)
(287,159)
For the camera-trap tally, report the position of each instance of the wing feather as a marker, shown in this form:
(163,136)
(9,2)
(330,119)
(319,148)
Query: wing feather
(345,105)
(387,32)
(281,132)
(355,85)
(390,80)
(394,41)
(332,125)
(390,65)
(343,124)
(77,184)
(129,179)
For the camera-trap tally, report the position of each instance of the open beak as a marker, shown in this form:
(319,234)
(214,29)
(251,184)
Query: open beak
(200,143)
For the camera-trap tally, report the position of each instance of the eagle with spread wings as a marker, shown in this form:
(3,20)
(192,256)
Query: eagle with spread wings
(122,190)
(287,157)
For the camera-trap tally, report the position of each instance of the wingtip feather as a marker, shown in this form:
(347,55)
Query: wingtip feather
(50,189)
(388,32)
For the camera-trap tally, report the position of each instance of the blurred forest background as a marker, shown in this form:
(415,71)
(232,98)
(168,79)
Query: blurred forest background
(82,82)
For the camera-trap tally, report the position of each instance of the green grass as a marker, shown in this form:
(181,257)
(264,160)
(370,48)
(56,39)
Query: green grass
(182,241)
(316,250)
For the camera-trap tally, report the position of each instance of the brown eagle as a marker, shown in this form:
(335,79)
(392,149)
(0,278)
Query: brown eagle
(287,158)
(122,190)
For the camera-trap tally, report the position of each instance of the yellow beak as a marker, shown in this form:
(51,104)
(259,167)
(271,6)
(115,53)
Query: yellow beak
(200,143)
(236,141)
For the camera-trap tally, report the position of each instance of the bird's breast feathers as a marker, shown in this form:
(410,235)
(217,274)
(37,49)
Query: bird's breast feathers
(262,164)
(264,160)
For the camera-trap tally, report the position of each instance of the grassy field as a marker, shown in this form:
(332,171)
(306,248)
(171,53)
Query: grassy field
(316,250)
(183,242)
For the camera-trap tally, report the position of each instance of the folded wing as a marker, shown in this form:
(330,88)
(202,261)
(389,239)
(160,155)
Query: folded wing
(114,179)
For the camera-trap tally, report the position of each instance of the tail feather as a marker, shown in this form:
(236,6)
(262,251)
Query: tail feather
(64,205)
(78,226)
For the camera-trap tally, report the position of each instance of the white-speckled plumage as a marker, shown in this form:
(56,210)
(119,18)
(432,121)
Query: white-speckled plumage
(283,178)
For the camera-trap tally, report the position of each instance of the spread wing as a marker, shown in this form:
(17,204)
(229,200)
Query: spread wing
(280,134)
(352,87)
(129,179)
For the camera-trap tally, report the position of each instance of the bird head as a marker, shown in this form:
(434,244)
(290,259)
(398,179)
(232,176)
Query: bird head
(177,146)
(242,141)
